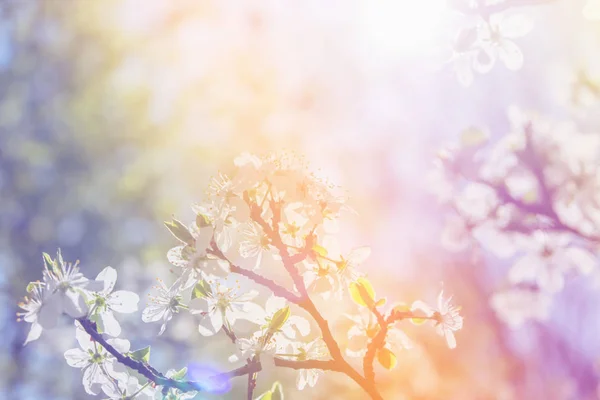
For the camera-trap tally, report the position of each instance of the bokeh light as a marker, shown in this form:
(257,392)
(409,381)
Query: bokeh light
(115,114)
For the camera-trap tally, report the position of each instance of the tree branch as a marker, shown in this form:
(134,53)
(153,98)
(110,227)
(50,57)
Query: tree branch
(277,289)
(375,344)
(158,378)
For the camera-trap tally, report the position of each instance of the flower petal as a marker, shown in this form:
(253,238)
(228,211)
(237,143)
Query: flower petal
(110,325)
(73,304)
(510,54)
(109,277)
(211,323)
(153,313)
(34,333)
(77,358)
(515,26)
(123,301)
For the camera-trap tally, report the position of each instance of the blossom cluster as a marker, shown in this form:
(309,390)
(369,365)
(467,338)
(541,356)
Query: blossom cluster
(529,198)
(491,33)
(272,216)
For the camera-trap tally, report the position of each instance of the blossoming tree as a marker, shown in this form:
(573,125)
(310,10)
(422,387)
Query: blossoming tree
(530,199)
(273,215)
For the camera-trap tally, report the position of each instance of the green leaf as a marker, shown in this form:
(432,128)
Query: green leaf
(180,232)
(202,289)
(202,221)
(268,395)
(362,292)
(275,393)
(179,374)
(141,354)
(279,319)
(386,358)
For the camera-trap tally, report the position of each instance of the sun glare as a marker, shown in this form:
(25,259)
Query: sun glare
(401,27)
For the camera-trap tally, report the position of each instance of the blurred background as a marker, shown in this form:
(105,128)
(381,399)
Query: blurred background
(115,114)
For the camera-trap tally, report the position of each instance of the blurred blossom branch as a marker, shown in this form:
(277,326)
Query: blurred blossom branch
(273,214)
(530,198)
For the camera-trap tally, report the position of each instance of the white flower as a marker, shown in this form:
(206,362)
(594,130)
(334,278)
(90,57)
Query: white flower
(365,328)
(495,37)
(328,271)
(98,366)
(445,317)
(313,350)
(476,201)
(464,55)
(166,303)
(196,259)
(293,226)
(256,243)
(260,343)
(222,188)
(129,389)
(32,305)
(517,305)
(321,277)
(66,286)
(220,305)
(347,266)
(548,258)
(221,218)
(104,302)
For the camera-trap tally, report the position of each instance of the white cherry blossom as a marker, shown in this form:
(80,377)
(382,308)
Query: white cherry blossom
(365,328)
(260,343)
(98,366)
(548,258)
(196,259)
(166,302)
(129,389)
(321,277)
(32,305)
(221,306)
(255,243)
(496,34)
(445,317)
(105,301)
(313,350)
(67,289)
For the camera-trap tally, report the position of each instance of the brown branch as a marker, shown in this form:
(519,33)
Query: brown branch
(379,340)
(338,363)
(160,379)
(252,379)
(545,206)
(272,231)
(374,345)
(277,289)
